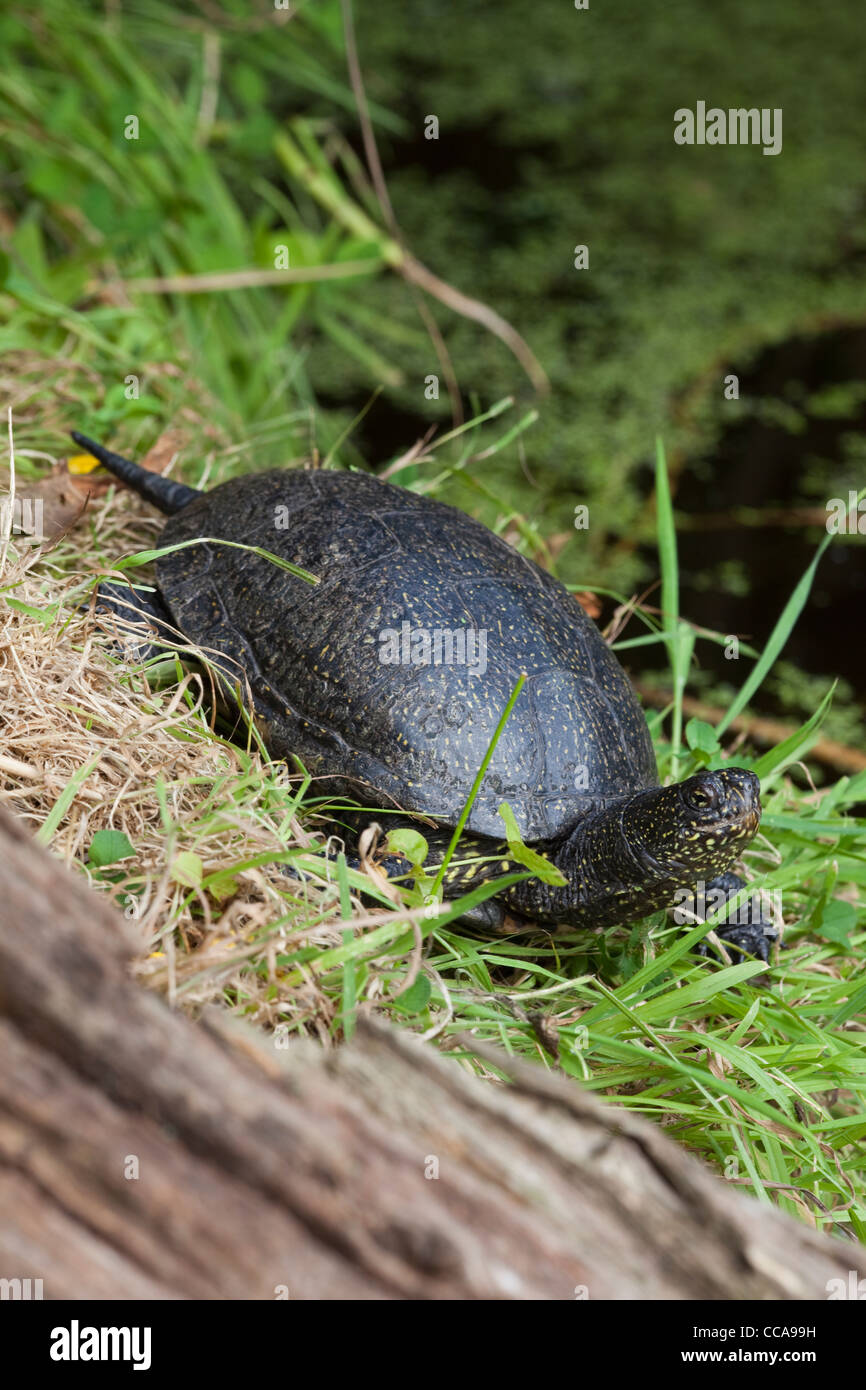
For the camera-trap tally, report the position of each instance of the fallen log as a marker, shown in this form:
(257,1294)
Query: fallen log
(144,1155)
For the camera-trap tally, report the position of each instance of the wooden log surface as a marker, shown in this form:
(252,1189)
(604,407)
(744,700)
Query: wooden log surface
(144,1155)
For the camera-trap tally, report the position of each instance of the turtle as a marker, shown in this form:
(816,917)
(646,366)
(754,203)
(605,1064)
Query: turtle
(386,680)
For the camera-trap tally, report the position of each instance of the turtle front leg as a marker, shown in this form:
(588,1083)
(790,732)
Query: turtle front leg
(750,934)
(461,877)
(489,916)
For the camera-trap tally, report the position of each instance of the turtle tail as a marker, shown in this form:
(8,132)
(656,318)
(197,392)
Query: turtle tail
(168,496)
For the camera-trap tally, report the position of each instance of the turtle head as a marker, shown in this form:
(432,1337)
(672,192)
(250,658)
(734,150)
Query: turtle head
(696,828)
(635,855)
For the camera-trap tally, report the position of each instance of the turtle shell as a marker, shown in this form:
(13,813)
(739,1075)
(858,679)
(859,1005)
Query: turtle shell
(344,676)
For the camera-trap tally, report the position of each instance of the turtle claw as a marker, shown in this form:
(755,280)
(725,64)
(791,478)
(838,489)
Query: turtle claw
(751,941)
(744,939)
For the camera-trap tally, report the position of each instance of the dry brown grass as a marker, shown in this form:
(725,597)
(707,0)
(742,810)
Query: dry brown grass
(86,744)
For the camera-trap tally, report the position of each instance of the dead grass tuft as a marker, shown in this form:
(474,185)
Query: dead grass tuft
(87,745)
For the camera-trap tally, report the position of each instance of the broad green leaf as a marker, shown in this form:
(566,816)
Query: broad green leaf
(416,997)
(109,847)
(701,737)
(187,869)
(409,843)
(837,921)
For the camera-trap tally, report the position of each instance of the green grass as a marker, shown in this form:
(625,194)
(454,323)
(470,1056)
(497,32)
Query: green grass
(98,214)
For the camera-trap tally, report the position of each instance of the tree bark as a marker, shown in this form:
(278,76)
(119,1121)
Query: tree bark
(143,1155)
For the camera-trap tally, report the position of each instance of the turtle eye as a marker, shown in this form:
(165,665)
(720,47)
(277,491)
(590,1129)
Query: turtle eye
(703,797)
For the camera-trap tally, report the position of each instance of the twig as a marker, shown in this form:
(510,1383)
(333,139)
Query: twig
(374,164)
(770,731)
(334,200)
(210,86)
(252,279)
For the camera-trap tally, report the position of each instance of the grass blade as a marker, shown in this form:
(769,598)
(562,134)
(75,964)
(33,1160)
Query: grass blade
(778,637)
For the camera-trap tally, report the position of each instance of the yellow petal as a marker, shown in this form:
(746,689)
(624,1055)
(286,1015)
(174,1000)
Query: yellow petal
(82,463)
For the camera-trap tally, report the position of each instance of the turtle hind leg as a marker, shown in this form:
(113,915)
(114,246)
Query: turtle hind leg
(136,606)
(749,934)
